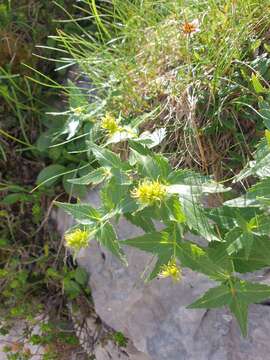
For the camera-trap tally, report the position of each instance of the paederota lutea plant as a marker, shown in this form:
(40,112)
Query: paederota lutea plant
(139,184)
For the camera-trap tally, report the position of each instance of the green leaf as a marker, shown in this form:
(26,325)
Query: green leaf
(237,294)
(169,211)
(74,190)
(258,87)
(261,189)
(259,256)
(44,141)
(197,220)
(187,177)
(71,288)
(213,298)
(242,202)
(94,177)
(197,259)
(126,205)
(112,194)
(250,293)
(240,311)
(107,237)
(238,240)
(176,212)
(260,166)
(50,175)
(264,110)
(246,234)
(153,167)
(196,190)
(76,97)
(121,177)
(14,198)
(253,196)
(245,293)
(162,244)
(83,213)
(107,158)
(191,185)
(79,106)
(155,242)
(223,216)
(218,254)
(138,219)
(139,148)
(162,259)
(260,225)
(81,276)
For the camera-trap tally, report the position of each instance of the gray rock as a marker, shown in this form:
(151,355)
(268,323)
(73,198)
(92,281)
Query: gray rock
(154,315)
(17,343)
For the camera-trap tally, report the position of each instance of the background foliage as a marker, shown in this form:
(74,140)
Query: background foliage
(34,278)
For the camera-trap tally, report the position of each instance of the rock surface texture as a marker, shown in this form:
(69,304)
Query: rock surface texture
(16,343)
(154,315)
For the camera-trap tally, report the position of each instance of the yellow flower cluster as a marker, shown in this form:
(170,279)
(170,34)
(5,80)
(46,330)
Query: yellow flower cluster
(171,270)
(78,111)
(148,192)
(109,123)
(77,239)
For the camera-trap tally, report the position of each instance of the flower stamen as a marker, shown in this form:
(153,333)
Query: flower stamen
(109,123)
(171,270)
(190,28)
(149,192)
(77,239)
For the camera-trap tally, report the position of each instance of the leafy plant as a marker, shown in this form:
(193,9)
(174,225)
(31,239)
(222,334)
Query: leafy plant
(120,339)
(145,189)
(201,106)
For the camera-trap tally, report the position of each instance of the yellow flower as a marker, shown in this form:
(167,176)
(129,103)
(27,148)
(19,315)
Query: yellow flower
(109,123)
(78,111)
(189,28)
(171,270)
(77,239)
(148,192)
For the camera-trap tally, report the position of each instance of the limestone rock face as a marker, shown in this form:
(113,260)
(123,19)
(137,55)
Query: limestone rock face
(154,315)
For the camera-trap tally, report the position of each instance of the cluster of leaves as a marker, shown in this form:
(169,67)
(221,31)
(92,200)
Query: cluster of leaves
(238,236)
(62,141)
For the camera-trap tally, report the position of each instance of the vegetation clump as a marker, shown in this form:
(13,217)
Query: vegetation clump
(196,92)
